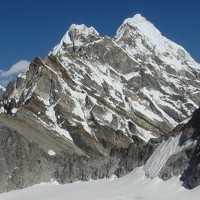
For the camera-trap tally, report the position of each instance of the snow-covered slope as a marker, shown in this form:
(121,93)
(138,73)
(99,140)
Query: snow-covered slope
(164,151)
(134,186)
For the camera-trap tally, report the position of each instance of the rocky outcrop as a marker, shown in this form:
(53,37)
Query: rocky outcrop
(179,158)
(191,176)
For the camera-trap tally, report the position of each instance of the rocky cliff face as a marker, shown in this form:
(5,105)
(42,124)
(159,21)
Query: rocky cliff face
(90,107)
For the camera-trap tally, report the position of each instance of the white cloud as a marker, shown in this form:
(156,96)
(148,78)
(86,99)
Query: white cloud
(20,66)
(7,76)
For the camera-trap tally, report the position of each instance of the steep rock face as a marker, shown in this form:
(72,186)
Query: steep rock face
(30,156)
(19,157)
(96,102)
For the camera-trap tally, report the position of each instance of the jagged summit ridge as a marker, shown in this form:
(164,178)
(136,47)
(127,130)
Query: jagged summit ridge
(77,35)
(143,36)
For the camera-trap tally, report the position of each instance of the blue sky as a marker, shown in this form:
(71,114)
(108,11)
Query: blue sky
(30,28)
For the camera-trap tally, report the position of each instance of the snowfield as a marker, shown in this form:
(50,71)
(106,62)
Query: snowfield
(134,186)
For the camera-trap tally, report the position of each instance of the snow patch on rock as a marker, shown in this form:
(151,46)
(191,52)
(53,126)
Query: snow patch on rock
(51,153)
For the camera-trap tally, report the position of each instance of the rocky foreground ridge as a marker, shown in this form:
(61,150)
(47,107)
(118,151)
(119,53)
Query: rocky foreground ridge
(97,106)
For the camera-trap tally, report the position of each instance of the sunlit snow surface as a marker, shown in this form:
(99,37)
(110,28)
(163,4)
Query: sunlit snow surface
(134,186)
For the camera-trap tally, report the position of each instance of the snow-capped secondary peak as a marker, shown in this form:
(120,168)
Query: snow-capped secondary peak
(77,35)
(83,29)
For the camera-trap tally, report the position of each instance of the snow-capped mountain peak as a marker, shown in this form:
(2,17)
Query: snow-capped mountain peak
(83,30)
(139,24)
(76,36)
(138,20)
(140,38)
